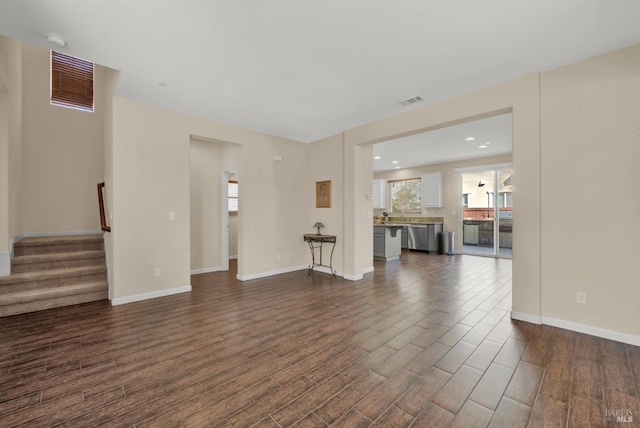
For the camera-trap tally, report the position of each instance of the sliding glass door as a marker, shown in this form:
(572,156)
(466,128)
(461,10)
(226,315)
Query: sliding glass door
(487,212)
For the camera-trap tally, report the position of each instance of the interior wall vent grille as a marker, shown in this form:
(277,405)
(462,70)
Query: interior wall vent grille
(410,101)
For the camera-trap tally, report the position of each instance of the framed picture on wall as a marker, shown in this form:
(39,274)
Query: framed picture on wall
(323,194)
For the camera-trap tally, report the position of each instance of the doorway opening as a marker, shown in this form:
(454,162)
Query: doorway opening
(487,211)
(214,232)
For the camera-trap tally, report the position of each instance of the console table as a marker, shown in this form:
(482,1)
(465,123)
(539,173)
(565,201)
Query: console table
(315,242)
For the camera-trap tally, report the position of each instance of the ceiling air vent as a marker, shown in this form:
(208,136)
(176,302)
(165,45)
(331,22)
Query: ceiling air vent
(410,101)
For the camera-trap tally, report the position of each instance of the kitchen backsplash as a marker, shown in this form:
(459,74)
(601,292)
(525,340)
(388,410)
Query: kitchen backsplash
(418,220)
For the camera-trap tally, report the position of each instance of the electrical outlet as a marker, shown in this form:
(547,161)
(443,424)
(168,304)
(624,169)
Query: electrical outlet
(581,297)
(157,272)
(172,215)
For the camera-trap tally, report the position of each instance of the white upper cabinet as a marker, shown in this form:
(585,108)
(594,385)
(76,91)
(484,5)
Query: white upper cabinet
(432,190)
(380,193)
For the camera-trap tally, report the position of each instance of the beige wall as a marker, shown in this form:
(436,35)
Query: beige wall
(16,211)
(4,172)
(151,173)
(324,158)
(208,160)
(363,206)
(234,224)
(521,96)
(590,202)
(450,210)
(205,158)
(277,193)
(110,80)
(582,118)
(562,243)
(10,146)
(63,153)
(358,209)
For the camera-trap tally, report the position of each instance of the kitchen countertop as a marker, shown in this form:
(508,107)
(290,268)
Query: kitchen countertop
(405,224)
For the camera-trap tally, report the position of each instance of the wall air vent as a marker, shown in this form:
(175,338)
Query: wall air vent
(410,101)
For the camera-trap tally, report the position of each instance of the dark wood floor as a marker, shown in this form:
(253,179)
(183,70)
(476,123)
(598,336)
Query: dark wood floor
(426,341)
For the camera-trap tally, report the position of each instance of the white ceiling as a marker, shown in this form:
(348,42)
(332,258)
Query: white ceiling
(307,69)
(492,137)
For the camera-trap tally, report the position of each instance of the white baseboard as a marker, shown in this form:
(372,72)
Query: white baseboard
(593,331)
(233,257)
(296,268)
(64,233)
(5,264)
(521,316)
(152,295)
(322,269)
(353,277)
(206,270)
(13,241)
(359,277)
(577,327)
(270,273)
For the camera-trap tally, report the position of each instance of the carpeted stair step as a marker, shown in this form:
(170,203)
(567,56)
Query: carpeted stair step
(50,261)
(54,271)
(51,278)
(57,244)
(52,297)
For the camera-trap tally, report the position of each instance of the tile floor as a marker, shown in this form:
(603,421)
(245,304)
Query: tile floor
(425,341)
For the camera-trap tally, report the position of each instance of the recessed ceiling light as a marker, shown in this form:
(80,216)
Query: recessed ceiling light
(377,157)
(56,40)
(488,142)
(469,139)
(482,147)
(397,167)
(394,162)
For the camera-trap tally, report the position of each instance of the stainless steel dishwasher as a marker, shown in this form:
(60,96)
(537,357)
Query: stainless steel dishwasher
(417,236)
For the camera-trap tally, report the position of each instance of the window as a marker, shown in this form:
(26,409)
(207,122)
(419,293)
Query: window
(505,199)
(233,196)
(71,82)
(405,196)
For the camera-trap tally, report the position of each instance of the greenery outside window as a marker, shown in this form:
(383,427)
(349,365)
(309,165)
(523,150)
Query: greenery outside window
(405,196)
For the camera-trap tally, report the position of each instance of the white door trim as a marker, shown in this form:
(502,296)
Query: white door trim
(224,218)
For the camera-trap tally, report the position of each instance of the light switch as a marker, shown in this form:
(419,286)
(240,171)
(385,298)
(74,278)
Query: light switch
(172,215)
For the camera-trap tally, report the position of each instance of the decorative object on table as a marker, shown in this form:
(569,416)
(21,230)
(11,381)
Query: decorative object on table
(318,225)
(323,194)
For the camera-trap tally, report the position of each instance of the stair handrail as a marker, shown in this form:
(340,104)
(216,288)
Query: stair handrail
(103,217)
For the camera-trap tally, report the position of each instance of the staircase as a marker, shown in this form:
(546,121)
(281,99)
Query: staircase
(50,272)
